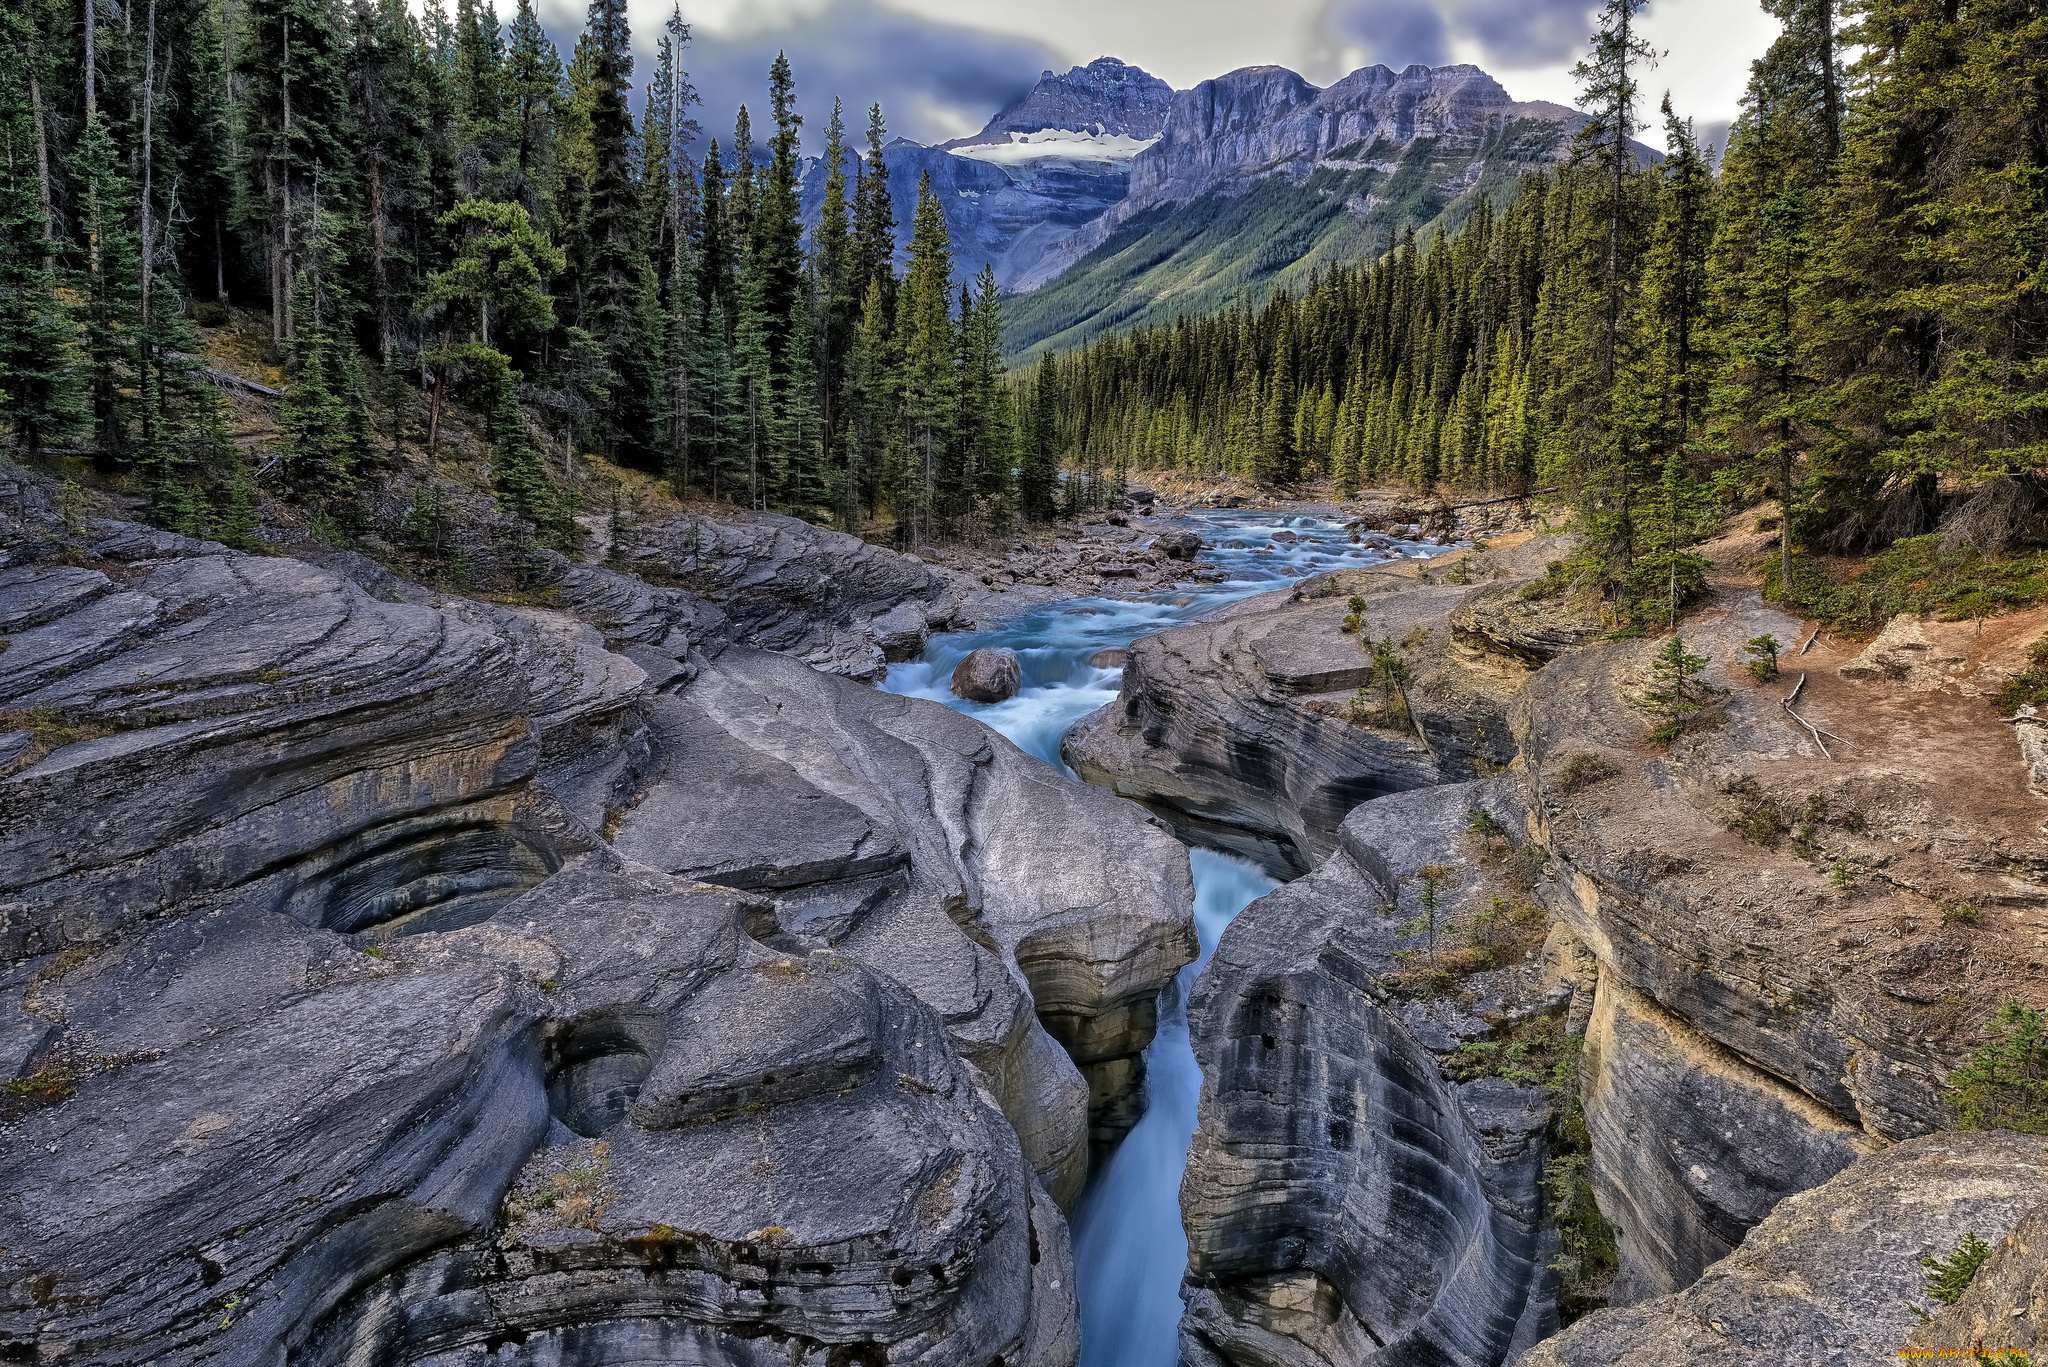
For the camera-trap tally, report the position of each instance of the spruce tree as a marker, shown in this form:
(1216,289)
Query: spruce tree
(39,359)
(926,489)
(613,307)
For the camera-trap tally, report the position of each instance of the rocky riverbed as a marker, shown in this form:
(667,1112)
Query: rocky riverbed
(614,975)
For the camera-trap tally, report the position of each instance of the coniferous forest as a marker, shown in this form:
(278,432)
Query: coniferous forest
(440,215)
(1849,316)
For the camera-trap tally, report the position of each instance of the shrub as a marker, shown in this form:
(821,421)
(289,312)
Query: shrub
(1959,914)
(1916,575)
(1353,624)
(2030,687)
(1583,770)
(1763,666)
(2005,1083)
(1757,815)
(1948,1278)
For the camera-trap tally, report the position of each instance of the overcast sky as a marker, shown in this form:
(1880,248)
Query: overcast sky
(941,67)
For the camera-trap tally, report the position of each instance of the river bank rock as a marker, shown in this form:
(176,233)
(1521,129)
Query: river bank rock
(2005,1308)
(1759,958)
(394,977)
(1829,1276)
(1346,1202)
(1241,729)
(1178,545)
(991,674)
(1780,989)
(832,600)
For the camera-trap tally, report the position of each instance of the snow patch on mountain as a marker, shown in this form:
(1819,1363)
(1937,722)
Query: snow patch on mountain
(1069,144)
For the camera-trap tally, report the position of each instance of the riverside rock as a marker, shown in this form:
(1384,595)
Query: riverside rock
(1344,1201)
(418,1000)
(1178,545)
(1239,729)
(1727,1031)
(991,674)
(2005,1308)
(1829,1275)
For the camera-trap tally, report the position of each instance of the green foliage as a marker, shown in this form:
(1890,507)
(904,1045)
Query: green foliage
(1763,652)
(1948,1278)
(500,267)
(2005,1083)
(1917,575)
(2030,686)
(1677,690)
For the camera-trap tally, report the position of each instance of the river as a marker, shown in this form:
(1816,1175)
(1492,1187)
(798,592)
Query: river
(1129,1248)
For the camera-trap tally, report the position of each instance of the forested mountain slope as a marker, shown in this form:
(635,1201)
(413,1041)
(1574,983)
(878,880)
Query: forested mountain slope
(1260,178)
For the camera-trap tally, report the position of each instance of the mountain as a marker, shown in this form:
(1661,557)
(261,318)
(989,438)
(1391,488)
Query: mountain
(1042,168)
(1258,177)
(1110,97)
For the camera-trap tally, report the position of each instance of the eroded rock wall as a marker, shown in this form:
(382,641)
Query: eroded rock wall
(1829,1276)
(1345,1202)
(395,978)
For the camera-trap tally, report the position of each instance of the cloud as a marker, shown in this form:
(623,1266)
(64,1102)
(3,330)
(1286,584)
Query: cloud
(1505,33)
(934,80)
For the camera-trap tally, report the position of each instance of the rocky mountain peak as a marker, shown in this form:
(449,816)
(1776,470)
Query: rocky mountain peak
(1108,98)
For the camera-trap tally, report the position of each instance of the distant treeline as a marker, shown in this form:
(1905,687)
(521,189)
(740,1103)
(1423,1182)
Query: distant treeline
(1853,313)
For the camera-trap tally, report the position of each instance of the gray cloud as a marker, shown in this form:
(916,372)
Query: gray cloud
(934,80)
(1510,33)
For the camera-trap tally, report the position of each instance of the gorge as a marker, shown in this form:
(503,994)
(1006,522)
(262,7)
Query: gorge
(406,978)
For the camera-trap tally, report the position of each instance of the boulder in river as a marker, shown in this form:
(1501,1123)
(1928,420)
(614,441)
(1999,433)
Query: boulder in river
(990,674)
(1178,545)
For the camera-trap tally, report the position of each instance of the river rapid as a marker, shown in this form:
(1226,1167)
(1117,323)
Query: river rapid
(1129,1247)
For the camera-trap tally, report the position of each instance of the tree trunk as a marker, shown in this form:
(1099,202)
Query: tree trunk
(92,60)
(148,215)
(282,306)
(380,281)
(49,217)
(1785,517)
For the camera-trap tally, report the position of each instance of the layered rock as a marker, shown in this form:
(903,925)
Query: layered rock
(1780,989)
(1344,1202)
(1241,729)
(398,978)
(782,584)
(1830,1275)
(1764,955)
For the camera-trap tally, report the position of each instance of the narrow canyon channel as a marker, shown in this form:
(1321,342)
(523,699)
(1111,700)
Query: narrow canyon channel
(1129,1248)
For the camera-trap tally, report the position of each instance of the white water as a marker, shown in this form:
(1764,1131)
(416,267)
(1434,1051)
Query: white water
(1129,1248)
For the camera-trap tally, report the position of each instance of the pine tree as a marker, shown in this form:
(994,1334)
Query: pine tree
(613,308)
(391,76)
(926,491)
(39,360)
(111,286)
(874,220)
(297,134)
